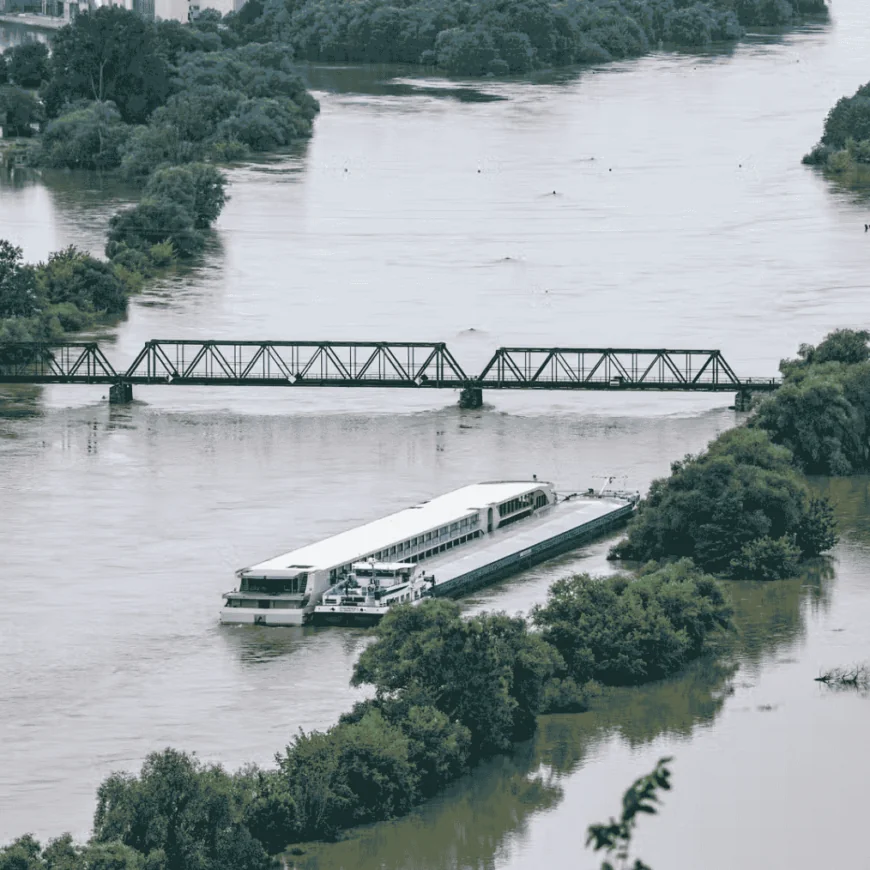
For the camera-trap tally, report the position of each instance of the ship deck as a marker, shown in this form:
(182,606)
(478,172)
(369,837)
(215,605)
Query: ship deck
(514,540)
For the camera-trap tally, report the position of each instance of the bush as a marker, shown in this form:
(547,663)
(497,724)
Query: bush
(822,411)
(742,489)
(20,112)
(200,189)
(151,222)
(91,136)
(74,277)
(622,632)
(767,559)
(487,673)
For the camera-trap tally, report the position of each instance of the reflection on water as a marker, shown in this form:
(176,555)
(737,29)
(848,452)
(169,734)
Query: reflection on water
(480,821)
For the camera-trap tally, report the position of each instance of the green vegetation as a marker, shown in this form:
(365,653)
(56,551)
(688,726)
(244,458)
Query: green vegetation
(449,692)
(619,631)
(615,836)
(500,37)
(69,292)
(160,103)
(844,149)
(822,411)
(739,509)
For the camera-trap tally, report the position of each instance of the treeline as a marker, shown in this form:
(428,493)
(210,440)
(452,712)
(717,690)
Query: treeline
(448,693)
(500,37)
(844,149)
(161,104)
(742,508)
(69,292)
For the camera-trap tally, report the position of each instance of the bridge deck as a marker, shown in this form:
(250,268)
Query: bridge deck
(409,365)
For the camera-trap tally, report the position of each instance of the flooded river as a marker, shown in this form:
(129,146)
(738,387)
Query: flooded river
(682,217)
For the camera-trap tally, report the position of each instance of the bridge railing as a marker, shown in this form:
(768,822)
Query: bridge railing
(606,368)
(70,362)
(299,363)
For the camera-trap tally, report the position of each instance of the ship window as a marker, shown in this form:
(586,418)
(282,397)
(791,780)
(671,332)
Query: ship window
(454,527)
(392,551)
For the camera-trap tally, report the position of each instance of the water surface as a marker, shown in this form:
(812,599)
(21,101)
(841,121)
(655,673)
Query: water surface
(682,217)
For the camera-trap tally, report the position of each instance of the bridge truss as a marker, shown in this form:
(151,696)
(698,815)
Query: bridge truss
(67,363)
(297,363)
(583,368)
(375,364)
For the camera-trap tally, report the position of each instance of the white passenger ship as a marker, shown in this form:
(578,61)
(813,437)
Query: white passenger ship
(285,590)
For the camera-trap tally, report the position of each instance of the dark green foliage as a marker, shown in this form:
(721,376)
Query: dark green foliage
(4,70)
(199,188)
(109,55)
(642,797)
(90,285)
(178,814)
(848,346)
(487,673)
(767,559)
(822,411)
(622,632)
(21,854)
(742,489)
(153,146)
(20,112)
(499,37)
(27,64)
(90,136)
(153,221)
(19,293)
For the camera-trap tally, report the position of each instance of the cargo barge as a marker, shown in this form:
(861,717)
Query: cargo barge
(285,590)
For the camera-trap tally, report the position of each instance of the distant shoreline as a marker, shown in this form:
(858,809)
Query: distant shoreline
(44,22)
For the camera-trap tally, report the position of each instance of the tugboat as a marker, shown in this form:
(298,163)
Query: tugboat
(365,594)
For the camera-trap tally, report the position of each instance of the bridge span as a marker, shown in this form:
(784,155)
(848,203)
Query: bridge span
(378,364)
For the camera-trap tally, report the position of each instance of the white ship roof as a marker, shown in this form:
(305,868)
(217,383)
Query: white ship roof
(352,545)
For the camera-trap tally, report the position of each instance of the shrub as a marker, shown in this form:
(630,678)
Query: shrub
(88,137)
(767,559)
(200,189)
(151,222)
(742,489)
(622,632)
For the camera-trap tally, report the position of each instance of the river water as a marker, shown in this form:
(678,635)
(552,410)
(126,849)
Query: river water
(682,217)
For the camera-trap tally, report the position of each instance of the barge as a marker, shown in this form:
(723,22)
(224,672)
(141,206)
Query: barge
(286,589)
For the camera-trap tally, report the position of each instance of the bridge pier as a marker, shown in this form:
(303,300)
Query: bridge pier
(743,401)
(471,397)
(120,393)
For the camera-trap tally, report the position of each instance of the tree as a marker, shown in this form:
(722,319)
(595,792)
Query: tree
(4,69)
(619,631)
(109,55)
(151,222)
(197,187)
(87,137)
(615,836)
(19,293)
(27,64)
(91,285)
(177,814)
(742,489)
(20,112)
(487,673)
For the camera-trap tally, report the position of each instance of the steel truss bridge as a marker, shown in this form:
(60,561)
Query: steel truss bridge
(380,364)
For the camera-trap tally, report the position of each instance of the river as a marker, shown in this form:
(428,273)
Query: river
(682,217)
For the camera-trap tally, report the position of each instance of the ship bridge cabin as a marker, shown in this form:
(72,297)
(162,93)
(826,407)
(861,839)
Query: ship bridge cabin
(296,581)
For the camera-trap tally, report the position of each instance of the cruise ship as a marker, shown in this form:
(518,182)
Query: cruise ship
(286,589)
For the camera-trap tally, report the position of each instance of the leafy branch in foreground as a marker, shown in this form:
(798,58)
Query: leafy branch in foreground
(855,677)
(615,836)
